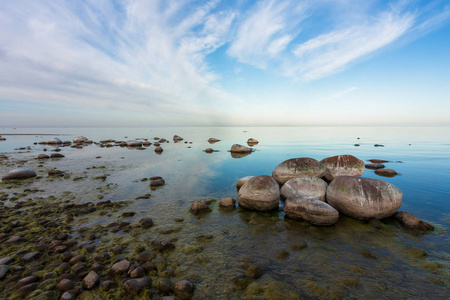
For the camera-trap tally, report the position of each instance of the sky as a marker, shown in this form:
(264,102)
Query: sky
(133,63)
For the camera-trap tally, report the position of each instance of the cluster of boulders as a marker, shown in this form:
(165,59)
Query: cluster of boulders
(319,191)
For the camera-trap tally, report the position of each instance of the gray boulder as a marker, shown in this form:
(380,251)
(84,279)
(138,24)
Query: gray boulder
(19,173)
(307,187)
(342,165)
(364,198)
(243,180)
(240,149)
(297,167)
(260,193)
(314,211)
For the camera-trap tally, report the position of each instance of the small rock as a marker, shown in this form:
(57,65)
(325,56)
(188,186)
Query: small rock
(76,259)
(30,256)
(411,221)
(156,181)
(6,260)
(27,280)
(183,289)
(90,280)
(240,149)
(27,289)
(56,155)
(164,286)
(314,211)
(137,285)
(4,269)
(213,140)
(65,285)
(68,295)
(177,138)
(227,203)
(386,172)
(146,223)
(378,145)
(378,161)
(252,141)
(128,214)
(121,266)
(158,149)
(374,166)
(54,172)
(43,156)
(107,285)
(254,271)
(209,150)
(162,245)
(137,272)
(199,207)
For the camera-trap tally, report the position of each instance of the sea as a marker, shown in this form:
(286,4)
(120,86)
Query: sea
(333,264)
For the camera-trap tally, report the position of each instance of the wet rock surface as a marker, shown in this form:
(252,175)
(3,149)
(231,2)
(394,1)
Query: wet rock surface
(306,187)
(19,173)
(260,193)
(342,165)
(297,168)
(314,211)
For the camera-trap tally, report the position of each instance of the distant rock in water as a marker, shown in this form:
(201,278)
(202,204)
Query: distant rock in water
(134,143)
(297,167)
(374,166)
(213,140)
(240,149)
(3,156)
(364,198)
(19,173)
(314,211)
(209,150)
(252,142)
(158,150)
(378,145)
(54,141)
(56,155)
(378,161)
(342,165)
(260,193)
(2,138)
(386,172)
(79,139)
(177,138)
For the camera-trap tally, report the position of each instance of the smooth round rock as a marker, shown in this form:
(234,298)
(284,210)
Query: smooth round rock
(137,285)
(297,167)
(411,221)
(261,193)
(121,266)
(314,211)
(307,187)
(240,149)
(209,150)
(386,172)
(342,165)
(243,180)
(90,280)
(19,173)
(227,203)
(213,140)
(199,207)
(183,289)
(364,198)
(252,141)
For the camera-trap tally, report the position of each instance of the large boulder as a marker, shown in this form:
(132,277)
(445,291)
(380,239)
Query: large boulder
(307,187)
(342,165)
(240,149)
(314,211)
(19,173)
(364,198)
(260,193)
(297,167)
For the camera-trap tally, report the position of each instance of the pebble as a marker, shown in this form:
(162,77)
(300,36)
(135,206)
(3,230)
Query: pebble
(65,285)
(90,280)
(121,266)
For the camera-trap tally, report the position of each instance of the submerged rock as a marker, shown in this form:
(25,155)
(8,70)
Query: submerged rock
(364,198)
(307,187)
(314,211)
(411,221)
(156,181)
(386,172)
(227,203)
(260,193)
(19,173)
(342,165)
(183,289)
(297,167)
(199,207)
(240,149)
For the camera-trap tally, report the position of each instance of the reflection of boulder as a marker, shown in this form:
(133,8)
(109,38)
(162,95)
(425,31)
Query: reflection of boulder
(213,140)
(239,155)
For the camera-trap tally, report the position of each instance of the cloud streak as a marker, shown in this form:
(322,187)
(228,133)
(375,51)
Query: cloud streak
(151,57)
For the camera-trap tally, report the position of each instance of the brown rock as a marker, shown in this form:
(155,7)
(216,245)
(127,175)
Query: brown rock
(183,289)
(240,149)
(342,165)
(243,180)
(121,266)
(137,285)
(375,166)
(199,207)
(364,198)
(260,193)
(314,211)
(19,173)
(227,203)
(386,172)
(90,280)
(297,167)
(411,221)
(65,285)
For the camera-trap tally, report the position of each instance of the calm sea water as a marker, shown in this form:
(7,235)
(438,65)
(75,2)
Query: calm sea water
(421,155)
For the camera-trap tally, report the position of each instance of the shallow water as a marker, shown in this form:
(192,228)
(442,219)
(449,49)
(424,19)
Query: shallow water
(348,260)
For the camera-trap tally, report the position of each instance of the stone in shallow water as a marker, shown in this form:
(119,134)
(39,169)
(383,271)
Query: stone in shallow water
(307,187)
(19,173)
(297,167)
(240,149)
(411,221)
(314,211)
(137,285)
(386,172)
(342,165)
(260,193)
(183,289)
(364,198)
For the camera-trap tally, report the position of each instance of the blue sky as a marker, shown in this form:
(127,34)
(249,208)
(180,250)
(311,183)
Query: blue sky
(224,63)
